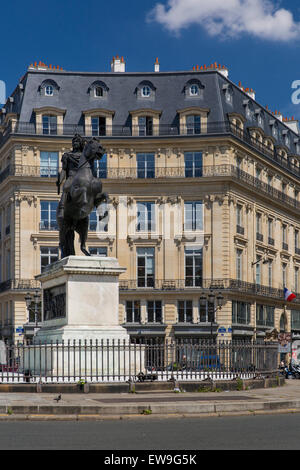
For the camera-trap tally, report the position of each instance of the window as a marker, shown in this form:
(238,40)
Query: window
(260,120)
(284,266)
(146,91)
(49,125)
(275,131)
(270,273)
(98,126)
(154,311)
(258,172)
(145,165)
(194,90)
(185,311)
(145,216)
(193,164)
(7,220)
(8,266)
(240,312)
(259,235)
(258,270)
(102,226)
(193,267)
(207,312)
(193,215)
(296,240)
(145,124)
(133,311)
(48,215)
(193,124)
(49,255)
(270,232)
(98,250)
(239,219)
(295,314)
(49,90)
(284,237)
(100,167)
(296,279)
(49,164)
(239,264)
(229,95)
(98,91)
(145,267)
(265,315)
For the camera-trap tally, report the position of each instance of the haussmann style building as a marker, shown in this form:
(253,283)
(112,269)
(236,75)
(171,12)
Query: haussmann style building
(204,203)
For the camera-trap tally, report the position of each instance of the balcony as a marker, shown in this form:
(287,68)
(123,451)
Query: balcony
(163,130)
(271,241)
(285,246)
(229,285)
(214,171)
(297,251)
(19,285)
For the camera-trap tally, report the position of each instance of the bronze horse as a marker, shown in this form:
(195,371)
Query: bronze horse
(84,195)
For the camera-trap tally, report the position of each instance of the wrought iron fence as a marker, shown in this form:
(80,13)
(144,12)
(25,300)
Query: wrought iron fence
(120,361)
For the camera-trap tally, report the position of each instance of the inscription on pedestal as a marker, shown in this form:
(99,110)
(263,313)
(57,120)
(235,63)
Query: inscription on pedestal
(55,302)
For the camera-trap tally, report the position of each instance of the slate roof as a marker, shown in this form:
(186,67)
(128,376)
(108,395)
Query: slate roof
(74,96)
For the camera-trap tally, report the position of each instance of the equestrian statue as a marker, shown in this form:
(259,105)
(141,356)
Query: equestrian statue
(82,192)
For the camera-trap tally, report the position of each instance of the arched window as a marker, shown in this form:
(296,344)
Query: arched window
(98,89)
(49,88)
(145,90)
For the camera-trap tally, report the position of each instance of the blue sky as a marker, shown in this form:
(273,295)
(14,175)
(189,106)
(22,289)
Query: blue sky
(260,46)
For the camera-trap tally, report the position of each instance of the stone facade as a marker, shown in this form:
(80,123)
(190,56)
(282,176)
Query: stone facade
(245,246)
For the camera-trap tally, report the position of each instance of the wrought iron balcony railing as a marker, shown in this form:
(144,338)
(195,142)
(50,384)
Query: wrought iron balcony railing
(19,284)
(162,130)
(233,285)
(213,171)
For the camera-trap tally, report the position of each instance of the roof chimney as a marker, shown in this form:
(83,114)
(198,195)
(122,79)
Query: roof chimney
(117,64)
(156,65)
(224,71)
(293,125)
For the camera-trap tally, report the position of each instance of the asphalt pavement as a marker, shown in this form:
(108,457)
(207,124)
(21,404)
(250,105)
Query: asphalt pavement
(97,406)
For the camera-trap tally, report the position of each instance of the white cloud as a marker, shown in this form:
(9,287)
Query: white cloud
(260,18)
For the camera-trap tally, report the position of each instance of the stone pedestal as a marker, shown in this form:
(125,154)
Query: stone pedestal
(80,337)
(80,300)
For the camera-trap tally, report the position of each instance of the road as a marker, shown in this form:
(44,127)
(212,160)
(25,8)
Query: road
(271,432)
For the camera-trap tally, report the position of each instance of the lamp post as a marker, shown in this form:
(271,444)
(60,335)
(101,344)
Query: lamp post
(35,300)
(215,303)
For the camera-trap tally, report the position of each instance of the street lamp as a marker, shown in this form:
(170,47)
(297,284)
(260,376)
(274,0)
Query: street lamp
(35,300)
(215,303)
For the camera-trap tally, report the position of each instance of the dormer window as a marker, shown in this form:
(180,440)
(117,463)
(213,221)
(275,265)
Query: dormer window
(286,138)
(193,89)
(98,89)
(275,131)
(146,91)
(228,91)
(49,90)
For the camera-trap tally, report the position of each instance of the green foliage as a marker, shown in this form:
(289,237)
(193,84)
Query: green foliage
(9,411)
(147,411)
(239,384)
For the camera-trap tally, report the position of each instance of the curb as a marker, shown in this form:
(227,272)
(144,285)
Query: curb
(69,412)
(98,417)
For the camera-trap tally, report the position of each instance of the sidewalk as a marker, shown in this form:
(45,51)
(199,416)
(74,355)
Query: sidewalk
(42,406)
